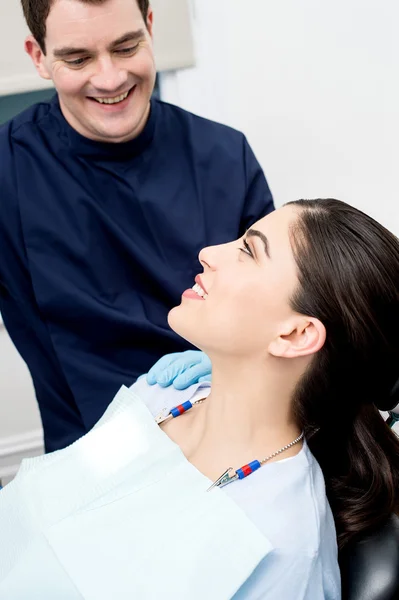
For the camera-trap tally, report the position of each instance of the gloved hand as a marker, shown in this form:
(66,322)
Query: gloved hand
(181,368)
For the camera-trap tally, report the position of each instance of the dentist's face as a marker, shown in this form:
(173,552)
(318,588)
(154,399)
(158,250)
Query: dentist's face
(248,284)
(101,61)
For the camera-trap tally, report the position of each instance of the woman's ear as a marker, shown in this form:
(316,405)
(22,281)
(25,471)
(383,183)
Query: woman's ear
(300,336)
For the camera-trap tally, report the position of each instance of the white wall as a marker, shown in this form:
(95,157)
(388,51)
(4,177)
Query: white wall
(20,427)
(315,87)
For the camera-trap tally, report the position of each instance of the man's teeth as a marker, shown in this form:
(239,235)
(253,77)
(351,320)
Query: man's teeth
(112,100)
(198,290)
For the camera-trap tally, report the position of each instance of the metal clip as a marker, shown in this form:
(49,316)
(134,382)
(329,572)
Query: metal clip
(163,416)
(224,479)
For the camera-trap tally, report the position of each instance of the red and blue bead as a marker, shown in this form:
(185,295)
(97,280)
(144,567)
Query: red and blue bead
(248,469)
(182,408)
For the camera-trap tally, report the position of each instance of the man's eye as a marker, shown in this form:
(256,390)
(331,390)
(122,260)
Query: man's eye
(128,51)
(76,63)
(247,250)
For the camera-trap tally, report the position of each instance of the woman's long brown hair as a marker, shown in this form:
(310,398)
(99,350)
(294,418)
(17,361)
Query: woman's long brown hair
(348,267)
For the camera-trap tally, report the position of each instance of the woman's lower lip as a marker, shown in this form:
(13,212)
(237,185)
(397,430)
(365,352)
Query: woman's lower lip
(191,294)
(119,105)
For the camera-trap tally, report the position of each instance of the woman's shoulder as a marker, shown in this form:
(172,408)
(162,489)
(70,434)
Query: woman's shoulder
(287,502)
(158,398)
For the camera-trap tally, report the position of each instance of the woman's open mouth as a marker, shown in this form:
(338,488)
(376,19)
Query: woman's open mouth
(197,292)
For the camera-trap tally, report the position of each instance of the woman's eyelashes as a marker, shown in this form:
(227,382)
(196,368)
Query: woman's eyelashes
(247,250)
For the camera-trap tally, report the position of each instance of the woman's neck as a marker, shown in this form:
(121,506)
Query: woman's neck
(247,416)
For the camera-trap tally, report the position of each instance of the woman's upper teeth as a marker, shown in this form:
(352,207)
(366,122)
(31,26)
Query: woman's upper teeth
(112,100)
(198,290)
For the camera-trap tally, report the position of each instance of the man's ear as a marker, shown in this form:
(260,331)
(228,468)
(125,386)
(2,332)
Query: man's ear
(301,336)
(150,21)
(38,58)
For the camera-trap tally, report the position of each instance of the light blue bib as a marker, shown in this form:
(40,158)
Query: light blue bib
(122,514)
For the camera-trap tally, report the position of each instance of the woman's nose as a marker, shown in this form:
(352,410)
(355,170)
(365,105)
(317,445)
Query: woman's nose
(207,257)
(213,256)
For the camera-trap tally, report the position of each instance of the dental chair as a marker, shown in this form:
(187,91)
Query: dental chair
(370,567)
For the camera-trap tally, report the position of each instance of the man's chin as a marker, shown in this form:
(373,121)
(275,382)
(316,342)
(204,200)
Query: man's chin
(113,135)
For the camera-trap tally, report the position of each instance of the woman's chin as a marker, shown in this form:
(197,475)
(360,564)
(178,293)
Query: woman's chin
(181,324)
(174,321)
(171,314)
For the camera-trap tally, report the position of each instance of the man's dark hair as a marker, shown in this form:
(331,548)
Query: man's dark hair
(37,11)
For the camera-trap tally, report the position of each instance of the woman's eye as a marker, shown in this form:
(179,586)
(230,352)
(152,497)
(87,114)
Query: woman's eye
(247,250)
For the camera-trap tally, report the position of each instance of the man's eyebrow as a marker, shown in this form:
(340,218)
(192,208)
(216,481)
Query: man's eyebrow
(261,236)
(131,36)
(68,51)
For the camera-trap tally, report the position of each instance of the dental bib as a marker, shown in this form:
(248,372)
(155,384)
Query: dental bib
(122,513)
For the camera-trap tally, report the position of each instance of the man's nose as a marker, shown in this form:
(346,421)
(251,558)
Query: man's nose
(109,77)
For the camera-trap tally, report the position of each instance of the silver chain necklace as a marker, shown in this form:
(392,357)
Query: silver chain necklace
(230,474)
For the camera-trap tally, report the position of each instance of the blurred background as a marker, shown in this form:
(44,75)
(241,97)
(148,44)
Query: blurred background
(313,84)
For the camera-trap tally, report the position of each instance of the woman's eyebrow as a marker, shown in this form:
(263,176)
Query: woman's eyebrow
(261,236)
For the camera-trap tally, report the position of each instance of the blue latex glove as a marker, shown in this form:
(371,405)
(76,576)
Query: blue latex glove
(181,368)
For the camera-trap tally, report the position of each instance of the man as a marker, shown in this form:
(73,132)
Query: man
(106,197)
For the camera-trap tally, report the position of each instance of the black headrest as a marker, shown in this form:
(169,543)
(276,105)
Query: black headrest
(392,402)
(370,567)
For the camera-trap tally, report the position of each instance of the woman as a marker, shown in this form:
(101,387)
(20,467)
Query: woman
(300,320)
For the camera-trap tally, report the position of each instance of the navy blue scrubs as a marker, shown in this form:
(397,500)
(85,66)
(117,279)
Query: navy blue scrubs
(98,241)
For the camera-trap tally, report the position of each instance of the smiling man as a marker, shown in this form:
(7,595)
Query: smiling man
(106,197)
(99,56)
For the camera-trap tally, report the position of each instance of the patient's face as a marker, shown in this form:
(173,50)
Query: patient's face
(248,283)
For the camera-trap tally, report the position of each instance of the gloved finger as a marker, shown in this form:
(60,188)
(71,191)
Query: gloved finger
(176,369)
(205,378)
(186,360)
(191,376)
(141,376)
(162,364)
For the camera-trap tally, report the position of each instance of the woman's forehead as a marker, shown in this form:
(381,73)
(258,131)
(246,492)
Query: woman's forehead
(276,225)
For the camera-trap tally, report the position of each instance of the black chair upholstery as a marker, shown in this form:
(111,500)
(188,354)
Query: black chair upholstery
(370,567)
